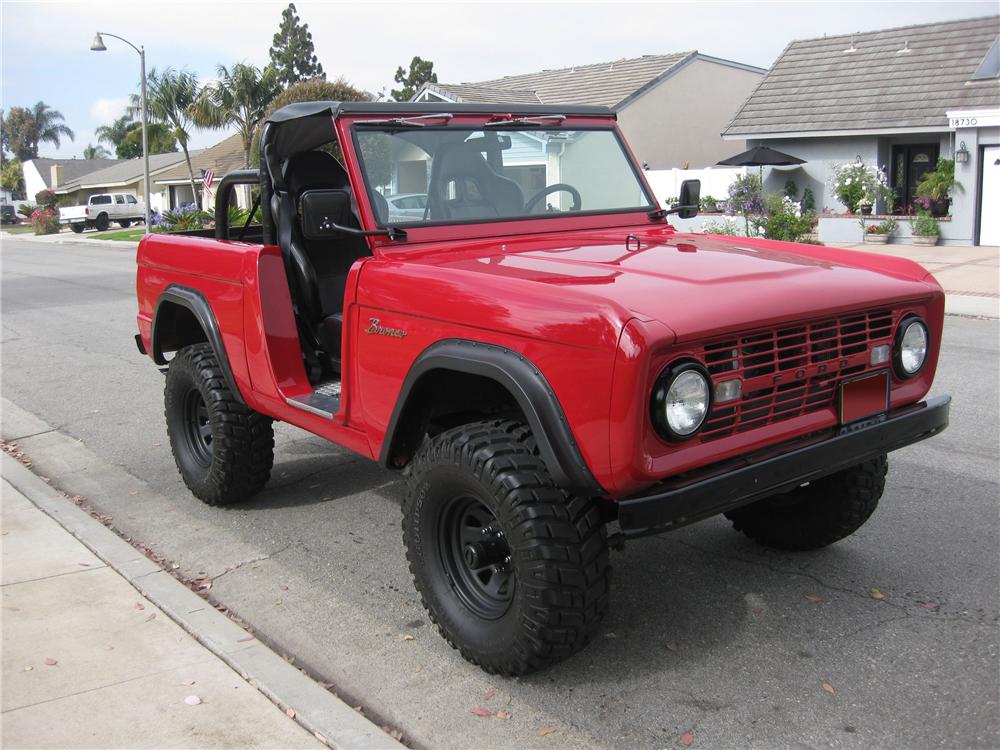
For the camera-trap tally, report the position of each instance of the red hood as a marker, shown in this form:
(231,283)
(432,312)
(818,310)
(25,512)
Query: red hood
(698,285)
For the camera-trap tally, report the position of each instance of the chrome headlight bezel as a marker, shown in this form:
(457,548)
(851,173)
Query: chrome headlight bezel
(897,347)
(659,399)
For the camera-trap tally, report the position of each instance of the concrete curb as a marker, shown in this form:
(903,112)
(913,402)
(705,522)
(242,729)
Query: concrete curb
(965,304)
(319,711)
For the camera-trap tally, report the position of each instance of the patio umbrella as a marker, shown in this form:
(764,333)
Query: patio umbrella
(761,156)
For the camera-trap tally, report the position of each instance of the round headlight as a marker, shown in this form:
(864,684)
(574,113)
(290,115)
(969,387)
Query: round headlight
(911,347)
(681,400)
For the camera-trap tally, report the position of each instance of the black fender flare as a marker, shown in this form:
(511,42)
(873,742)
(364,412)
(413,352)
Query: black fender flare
(195,301)
(525,382)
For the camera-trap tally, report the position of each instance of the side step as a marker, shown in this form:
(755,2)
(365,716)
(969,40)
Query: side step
(324,401)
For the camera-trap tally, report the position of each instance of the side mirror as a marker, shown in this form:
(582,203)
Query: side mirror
(690,195)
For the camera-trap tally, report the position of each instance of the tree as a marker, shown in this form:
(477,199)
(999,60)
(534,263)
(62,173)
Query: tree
(313,90)
(421,72)
(20,132)
(169,98)
(292,52)
(161,141)
(115,133)
(239,100)
(12,178)
(96,152)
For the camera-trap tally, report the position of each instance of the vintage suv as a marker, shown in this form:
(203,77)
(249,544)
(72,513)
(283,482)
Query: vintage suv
(553,367)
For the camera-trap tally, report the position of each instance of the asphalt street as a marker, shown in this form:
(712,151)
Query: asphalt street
(709,634)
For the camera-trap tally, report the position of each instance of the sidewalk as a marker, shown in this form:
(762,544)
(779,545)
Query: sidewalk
(970,275)
(89,661)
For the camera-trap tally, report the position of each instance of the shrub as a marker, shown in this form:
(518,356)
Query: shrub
(45,220)
(727,227)
(856,185)
(808,201)
(926,225)
(784,220)
(791,189)
(26,209)
(937,185)
(46,199)
(886,227)
(183,219)
(746,197)
(710,204)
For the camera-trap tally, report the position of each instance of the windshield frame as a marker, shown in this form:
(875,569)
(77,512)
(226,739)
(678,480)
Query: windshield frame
(572,124)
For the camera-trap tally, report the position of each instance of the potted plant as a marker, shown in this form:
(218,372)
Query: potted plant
(925,229)
(934,188)
(878,234)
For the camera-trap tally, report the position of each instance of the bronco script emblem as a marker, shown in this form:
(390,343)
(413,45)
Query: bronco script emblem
(378,330)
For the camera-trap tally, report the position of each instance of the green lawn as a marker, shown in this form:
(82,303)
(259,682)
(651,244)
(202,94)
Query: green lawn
(19,229)
(124,235)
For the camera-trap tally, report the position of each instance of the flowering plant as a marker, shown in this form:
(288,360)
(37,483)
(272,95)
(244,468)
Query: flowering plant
(856,185)
(746,197)
(45,220)
(886,227)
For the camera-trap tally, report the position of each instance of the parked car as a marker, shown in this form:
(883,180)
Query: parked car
(549,384)
(7,214)
(100,210)
(406,206)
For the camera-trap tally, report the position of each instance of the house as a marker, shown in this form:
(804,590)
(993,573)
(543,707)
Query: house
(670,107)
(42,174)
(124,176)
(174,184)
(896,98)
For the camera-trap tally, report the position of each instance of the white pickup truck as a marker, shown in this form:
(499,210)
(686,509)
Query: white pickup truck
(101,210)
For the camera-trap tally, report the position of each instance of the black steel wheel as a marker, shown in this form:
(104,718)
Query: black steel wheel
(512,570)
(223,450)
(476,557)
(102,222)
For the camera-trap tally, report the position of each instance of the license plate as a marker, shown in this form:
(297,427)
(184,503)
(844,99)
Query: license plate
(863,396)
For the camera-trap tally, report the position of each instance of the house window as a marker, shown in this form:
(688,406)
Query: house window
(910,163)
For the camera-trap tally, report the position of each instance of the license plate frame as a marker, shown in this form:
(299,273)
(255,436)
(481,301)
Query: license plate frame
(863,396)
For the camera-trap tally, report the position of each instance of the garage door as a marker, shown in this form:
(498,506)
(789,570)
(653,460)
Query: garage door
(989,198)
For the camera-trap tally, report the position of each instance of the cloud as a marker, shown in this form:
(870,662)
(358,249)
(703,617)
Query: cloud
(104,110)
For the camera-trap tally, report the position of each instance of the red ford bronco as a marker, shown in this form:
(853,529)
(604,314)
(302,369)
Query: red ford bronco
(491,301)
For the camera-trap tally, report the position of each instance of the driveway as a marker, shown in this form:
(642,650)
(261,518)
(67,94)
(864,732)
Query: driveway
(888,639)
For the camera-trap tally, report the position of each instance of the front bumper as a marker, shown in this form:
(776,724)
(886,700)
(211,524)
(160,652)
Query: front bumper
(716,489)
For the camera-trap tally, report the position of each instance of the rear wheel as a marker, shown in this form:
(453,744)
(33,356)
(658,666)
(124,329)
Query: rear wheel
(819,514)
(223,450)
(78,228)
(102,222)
(514,572)
(124,223)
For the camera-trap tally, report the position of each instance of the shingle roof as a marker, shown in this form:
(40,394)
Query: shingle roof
(607,84)
(72,169)
(893,78)
(123,172)
(223,157)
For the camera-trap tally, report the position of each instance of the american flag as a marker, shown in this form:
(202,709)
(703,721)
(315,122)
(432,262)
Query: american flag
(208,177)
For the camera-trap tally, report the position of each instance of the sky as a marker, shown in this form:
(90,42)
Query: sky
(46,45)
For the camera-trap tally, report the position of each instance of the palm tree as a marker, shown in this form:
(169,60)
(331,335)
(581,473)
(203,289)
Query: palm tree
(96,152)
(116,132)
(169,98)
(44,125)
(238,99)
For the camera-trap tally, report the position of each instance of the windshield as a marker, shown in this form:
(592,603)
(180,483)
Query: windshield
(432,175)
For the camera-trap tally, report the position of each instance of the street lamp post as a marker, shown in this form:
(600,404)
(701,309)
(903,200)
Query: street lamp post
(98,46)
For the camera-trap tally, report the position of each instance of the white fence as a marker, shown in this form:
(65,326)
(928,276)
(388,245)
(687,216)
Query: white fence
(715,181)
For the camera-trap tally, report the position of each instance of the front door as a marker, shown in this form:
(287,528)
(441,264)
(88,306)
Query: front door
(989,197)
(909,164)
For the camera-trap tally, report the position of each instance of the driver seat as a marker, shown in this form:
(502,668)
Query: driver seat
(478,191)
(318,266)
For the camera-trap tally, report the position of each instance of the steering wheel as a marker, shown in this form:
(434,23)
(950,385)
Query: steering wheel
(556,188)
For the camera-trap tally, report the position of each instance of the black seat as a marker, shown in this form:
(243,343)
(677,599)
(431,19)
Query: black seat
(318,263)
(464,186)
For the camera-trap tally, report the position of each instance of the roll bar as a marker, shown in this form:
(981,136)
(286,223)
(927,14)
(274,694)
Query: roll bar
(224,192)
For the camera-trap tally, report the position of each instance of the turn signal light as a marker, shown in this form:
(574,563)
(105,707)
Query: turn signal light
(728,390)
(880,354)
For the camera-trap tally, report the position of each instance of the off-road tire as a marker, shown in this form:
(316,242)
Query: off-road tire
(125,223)
(102,222)
(819,514)
(237,462)
(78,228)
(558,552)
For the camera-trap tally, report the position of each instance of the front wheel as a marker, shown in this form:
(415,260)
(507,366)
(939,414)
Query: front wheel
(818,514)
(514,572)
(223,450)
